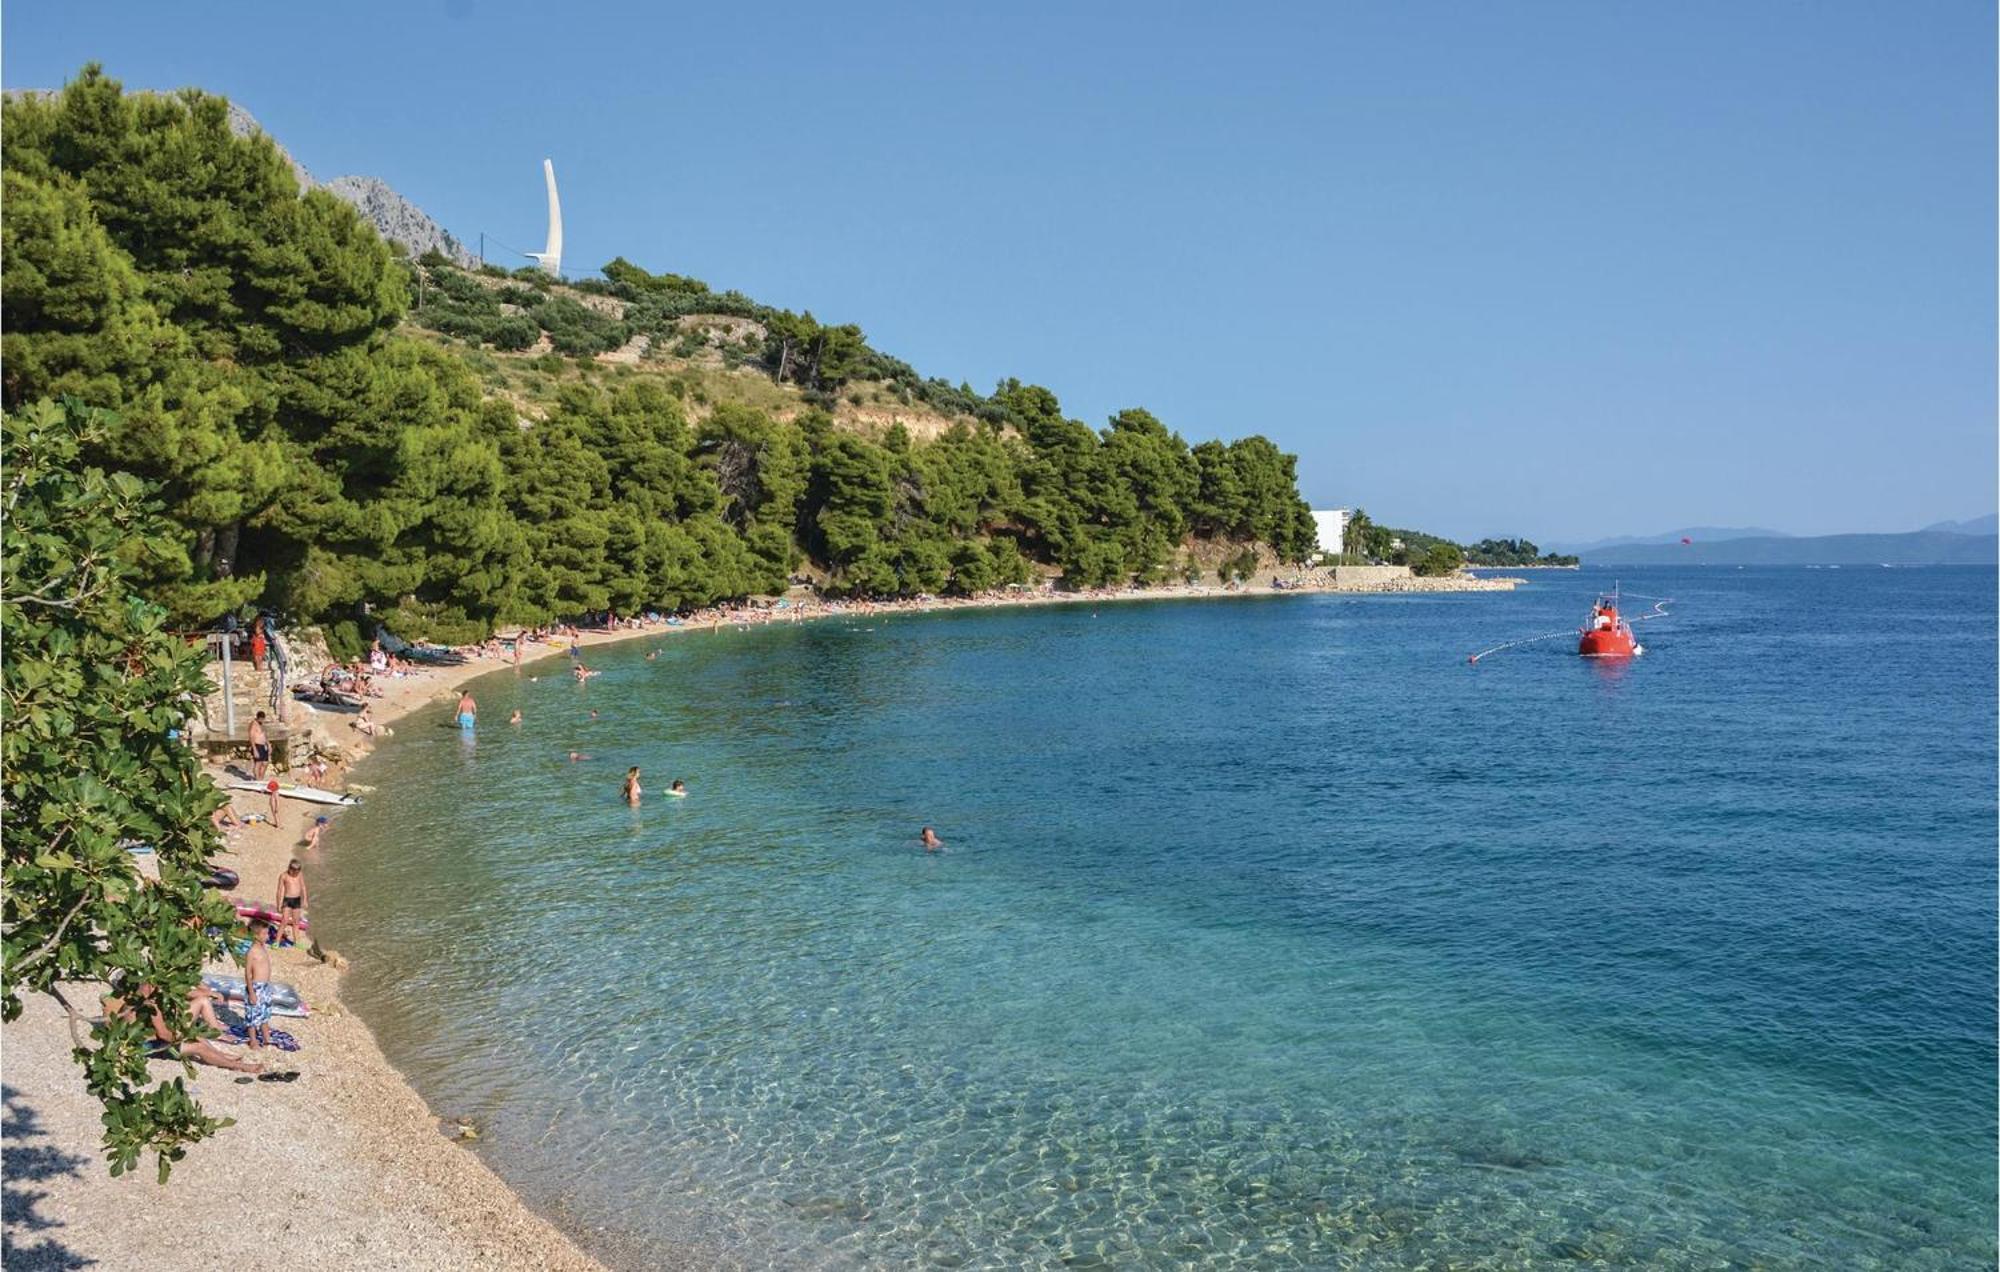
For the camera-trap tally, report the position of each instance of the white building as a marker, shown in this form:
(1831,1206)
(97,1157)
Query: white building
(1332,524)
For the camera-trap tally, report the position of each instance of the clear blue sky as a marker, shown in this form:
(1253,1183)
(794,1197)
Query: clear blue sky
(1555,269)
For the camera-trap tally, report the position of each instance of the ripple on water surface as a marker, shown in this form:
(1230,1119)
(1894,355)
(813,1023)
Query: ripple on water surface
(1269,933)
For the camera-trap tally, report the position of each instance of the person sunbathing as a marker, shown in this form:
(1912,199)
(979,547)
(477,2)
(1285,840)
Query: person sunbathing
(201,1005)
(166,1045)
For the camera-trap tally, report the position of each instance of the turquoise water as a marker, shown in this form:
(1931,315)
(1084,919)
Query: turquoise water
(1270,933)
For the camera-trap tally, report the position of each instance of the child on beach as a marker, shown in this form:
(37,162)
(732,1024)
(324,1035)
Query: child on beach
(257,988)
(271,790)
(313,835)
(291,902)
(224,819)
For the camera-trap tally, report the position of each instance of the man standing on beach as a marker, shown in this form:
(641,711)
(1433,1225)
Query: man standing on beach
(260,748)
(257,988)
(291,901)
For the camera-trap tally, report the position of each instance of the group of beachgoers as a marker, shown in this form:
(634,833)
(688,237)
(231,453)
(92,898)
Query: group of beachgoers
(281,925)
(632,790)
(245,1043)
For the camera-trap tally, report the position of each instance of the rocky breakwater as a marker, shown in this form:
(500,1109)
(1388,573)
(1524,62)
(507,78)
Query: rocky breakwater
(1400,578)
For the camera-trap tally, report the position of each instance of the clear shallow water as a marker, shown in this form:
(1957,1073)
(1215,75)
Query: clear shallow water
(1270,933)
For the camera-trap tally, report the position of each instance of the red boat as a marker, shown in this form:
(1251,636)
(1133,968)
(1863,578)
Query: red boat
(1607,635)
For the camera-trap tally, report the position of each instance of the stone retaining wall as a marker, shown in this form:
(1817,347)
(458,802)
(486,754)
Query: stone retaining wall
(1365,575)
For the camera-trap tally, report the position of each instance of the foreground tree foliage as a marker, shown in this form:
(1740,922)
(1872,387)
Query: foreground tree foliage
(95,688)
(313,458)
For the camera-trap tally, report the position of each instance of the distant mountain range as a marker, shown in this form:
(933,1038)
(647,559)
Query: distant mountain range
(1988,524)
(1918,547)
(1697,533)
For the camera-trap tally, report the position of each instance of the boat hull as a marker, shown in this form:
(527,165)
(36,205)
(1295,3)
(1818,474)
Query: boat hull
(1607,644)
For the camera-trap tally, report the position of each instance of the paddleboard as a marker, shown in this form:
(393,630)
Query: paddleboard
(285,1000)
(310,794)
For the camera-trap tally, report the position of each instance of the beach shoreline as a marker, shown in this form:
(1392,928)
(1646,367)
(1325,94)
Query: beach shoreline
(364,1166)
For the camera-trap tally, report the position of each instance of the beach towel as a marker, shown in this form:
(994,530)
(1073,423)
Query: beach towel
(239,1033)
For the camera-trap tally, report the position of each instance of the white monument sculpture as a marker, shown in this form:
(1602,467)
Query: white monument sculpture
(550,257)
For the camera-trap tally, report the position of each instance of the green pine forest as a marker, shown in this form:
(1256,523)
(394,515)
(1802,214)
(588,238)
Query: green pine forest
(345,436)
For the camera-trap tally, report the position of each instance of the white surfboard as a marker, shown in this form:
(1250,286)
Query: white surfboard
(310,794)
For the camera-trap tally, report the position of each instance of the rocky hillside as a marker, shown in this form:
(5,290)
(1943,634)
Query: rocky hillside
(394,217)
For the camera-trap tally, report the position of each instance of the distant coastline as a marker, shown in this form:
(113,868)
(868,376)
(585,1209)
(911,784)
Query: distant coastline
(1918,547)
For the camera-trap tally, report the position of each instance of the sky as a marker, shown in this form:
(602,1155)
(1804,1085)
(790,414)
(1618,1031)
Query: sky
(1561,270)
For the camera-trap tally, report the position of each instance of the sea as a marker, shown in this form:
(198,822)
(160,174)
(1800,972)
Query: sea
(1269,932)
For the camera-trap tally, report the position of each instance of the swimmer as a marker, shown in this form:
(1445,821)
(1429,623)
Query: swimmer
(593,715)
(574,756)
(516,717)
(655,654)
(632,791)
(679,790)
(930,840)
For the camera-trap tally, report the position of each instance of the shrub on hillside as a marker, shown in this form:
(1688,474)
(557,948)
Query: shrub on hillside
(514,334)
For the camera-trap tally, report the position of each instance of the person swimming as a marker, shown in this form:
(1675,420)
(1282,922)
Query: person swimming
(678,790)
(574,756)
(516,717)
(632,791)
(930,841)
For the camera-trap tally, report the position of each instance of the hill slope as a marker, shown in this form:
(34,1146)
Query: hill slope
(514,450)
